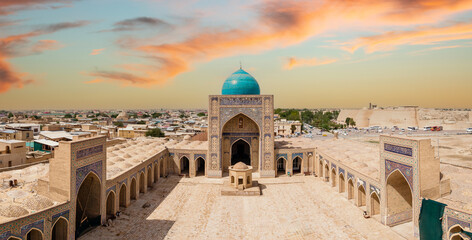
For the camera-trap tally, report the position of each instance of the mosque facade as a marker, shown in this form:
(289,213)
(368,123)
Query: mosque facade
(87,190)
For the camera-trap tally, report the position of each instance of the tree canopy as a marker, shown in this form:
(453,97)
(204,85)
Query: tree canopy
(154,132)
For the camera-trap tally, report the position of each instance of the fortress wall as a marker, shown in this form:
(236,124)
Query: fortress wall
(405,117)
(394,117)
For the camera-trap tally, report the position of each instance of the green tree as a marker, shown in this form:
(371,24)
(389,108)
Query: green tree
(119,124)
(141,122)
(114,115)
(293,128)
(307,116)
(146,115)
(154,132)
(68,115)
(201,114)
(156,115)
(10,115)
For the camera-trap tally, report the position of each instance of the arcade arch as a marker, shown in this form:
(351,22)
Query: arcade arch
(374,204)
(133,189)
(200,166)
(34,234)
(399,196)
(361,196)
(297,165)
(88,204)
(110,207)
(342,183)
(333,177)
(350,189)
(281,166)
(60,229)
(122,202)
(184,166)
(142,187)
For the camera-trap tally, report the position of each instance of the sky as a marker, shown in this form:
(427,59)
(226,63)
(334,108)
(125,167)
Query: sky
(152,54)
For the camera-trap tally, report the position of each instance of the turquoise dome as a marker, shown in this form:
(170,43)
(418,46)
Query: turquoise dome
(240,83)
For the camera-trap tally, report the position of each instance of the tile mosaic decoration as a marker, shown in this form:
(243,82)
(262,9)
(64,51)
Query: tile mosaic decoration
(195,156)
(241,101)
(82,172)
(407,151)
(279,155)
(89,152)
(406,170)
(375,189)
(64,214)
(333,166)
(340,170)
(294,155)
(112,188)
(38,225)
(350,176)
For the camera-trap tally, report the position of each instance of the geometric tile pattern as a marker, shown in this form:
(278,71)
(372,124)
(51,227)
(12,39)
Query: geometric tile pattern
(82,172)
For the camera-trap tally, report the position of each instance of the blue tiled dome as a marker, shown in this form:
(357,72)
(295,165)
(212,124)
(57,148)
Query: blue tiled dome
(240,83)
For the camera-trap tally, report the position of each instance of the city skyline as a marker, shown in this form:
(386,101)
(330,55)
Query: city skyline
(65,54)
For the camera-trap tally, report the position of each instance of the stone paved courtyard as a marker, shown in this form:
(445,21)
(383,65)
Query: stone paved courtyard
(289,208)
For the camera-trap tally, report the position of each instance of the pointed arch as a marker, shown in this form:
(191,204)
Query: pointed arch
(156,172)
(184,166)
(110,204)
(142,183)
(342,183)
(297,165)
(34,234)
(374,204)
(281,166)
(60,229)
(88,213)
(361,196)
(333,177)
(350,189)
(122,202)
(133,189)
(326,172)
(241,152)
(399,196)
(200,167)
(149,177)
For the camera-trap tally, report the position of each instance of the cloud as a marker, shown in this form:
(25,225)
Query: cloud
(11,6)
(94,81)
(278,24)
(20,45)
(45,45)
(97,51)
(299,62)
(10,78)
(138,24)
(419,36)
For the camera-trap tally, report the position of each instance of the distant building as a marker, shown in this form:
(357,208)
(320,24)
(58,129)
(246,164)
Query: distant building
(36,128)
(284,128)
(16,134)
(12,153)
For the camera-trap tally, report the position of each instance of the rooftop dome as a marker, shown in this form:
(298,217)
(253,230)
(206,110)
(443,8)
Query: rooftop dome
(240,166)
(240,83)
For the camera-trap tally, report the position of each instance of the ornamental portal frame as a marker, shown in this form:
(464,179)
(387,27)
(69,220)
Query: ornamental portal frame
(244,120)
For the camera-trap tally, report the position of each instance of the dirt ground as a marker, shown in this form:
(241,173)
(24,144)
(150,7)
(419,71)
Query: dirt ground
(289,208)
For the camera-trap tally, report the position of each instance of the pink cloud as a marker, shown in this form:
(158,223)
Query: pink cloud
(97,51)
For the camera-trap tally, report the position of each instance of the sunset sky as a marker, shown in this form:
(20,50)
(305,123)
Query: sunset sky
(92,54)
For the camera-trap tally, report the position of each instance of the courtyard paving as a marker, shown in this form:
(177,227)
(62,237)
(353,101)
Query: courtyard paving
(289,208)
